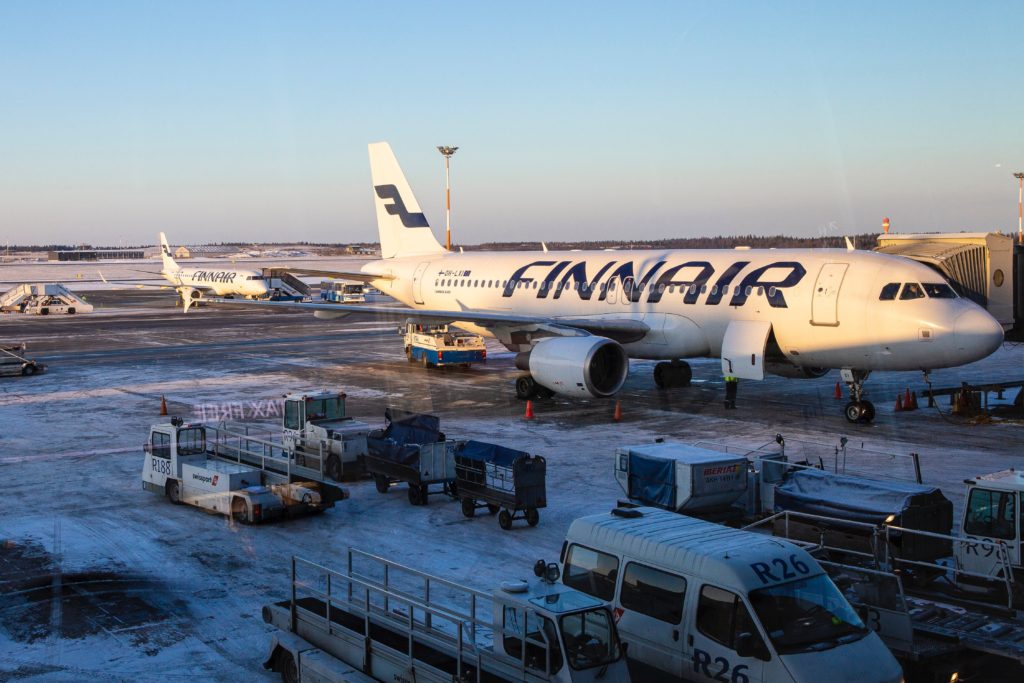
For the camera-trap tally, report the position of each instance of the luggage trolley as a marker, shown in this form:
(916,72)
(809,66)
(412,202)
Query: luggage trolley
(503,480)
(411,448)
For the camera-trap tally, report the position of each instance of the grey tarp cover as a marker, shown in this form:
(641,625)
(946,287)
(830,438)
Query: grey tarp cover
(652,480)
(851,498)
(404,432)
(489,452)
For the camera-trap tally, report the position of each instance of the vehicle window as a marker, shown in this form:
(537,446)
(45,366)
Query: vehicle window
(991,514)
(591,571)
(889,291)
(539,631)
(292,415)
(939,290)
(805,615)
(191,441)
(653,592)
(722,616)
(589,639)
(911,290)
(161,445)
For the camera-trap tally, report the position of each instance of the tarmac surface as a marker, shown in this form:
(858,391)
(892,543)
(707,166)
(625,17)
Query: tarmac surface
(100,579)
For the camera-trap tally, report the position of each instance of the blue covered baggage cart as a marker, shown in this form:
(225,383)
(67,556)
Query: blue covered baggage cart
(504,480)
(411,448)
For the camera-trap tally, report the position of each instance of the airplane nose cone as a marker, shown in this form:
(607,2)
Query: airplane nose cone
(977,332)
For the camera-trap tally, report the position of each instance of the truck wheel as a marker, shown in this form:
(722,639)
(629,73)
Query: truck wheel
(532,516)
(492,508)
(408,354)
(286,665)
(333,467)
(28,369)
(423,360)
(174,492)
(505,520)
(240,510)
(381,482)
(468,507)
(417,494)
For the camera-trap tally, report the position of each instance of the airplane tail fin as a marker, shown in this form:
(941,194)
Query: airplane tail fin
(403,228)
(165,254)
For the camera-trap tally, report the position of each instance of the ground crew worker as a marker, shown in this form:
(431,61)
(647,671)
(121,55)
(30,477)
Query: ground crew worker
(731,385)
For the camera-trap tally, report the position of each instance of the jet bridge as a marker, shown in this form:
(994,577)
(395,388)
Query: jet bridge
(987,268)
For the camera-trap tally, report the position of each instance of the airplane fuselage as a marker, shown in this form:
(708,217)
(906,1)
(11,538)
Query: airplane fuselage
(826,307)
(249,283)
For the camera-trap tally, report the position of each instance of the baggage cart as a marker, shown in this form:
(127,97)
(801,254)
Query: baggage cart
(411,449)
(508,482)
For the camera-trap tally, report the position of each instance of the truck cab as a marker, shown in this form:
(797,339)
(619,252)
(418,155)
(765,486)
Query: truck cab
(993,511)
(316,423)
(699,601)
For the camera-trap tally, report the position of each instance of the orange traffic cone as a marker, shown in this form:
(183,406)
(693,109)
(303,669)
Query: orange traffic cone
(163,405)
(618,411)
(913,401)
(899,404)
(529,410)
(906,400)
(839,392)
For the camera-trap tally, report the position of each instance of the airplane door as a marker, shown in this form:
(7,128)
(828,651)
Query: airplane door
(743,348)
(417,282)
(627,290)
(613,290)
(825,301)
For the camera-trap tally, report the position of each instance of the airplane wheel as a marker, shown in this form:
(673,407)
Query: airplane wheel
(505,520)
(869,411)
(526,388)
(853,411)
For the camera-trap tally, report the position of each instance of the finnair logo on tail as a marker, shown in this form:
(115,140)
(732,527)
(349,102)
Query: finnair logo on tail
(397,207)
(167,249)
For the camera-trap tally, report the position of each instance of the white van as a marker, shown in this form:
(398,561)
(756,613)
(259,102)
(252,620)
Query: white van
(698,601)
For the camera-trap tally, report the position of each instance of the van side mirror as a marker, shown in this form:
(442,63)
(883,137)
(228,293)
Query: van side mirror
(749,645)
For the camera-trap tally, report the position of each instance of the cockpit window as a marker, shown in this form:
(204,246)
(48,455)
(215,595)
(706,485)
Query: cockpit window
(911,290)
(939,290)
(889,291)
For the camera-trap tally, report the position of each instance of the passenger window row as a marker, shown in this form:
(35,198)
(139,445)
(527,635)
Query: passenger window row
(610,286)
(914,290)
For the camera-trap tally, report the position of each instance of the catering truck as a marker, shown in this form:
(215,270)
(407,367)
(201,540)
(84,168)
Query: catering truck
(700,601)
(377,620)
(441,346)
(238,481)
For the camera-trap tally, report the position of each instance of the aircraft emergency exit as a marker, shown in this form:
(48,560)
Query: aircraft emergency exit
(577,317)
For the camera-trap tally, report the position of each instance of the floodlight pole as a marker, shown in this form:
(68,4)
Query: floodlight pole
(447,151)
(1020,207)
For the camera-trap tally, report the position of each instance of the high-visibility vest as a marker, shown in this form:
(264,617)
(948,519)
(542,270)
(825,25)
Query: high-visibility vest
(730,378)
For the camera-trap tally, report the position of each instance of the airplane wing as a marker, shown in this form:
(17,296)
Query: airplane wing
(622,330)
(344,275)
(136,283)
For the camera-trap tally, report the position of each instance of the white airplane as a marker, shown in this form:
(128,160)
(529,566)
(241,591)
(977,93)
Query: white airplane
(577,317)
(193,283)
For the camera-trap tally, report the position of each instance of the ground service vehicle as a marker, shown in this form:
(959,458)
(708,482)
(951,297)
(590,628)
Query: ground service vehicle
(248,487)
(342,292)
(439,345)
(994,511)
(14,362)
(508,482)
(316,427)
(411,448)
(700,601)
(379,620)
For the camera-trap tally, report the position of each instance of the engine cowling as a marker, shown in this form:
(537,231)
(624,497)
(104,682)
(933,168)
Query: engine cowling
(581,366)
(786,369)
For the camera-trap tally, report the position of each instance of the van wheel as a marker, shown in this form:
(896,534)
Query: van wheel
(240,510)
(334,467)
(468,507)
(174,492)
(286,665)
(505,520)
(532,517)
(381,483)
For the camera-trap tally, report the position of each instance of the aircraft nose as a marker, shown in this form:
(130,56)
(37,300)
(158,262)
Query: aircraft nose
(977,331)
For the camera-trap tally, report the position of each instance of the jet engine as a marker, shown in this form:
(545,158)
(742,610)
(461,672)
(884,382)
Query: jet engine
(787,369)
(582,366)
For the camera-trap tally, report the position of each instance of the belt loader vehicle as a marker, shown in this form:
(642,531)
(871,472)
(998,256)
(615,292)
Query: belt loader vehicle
(700,601)
(379,620)
(247,486)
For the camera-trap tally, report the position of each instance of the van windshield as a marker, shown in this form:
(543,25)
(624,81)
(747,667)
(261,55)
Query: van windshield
(806,615)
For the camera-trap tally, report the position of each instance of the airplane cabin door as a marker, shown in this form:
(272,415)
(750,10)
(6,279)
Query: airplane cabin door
(628,285)
(825,300)
(417,282)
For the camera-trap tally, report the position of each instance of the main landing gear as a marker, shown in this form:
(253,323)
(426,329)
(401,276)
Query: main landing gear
(528,388)
(674,374)
(857,410)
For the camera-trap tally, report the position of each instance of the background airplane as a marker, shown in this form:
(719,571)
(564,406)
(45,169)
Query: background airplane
(577,317)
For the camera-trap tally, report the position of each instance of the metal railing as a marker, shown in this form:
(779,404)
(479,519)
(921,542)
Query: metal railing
(236,443)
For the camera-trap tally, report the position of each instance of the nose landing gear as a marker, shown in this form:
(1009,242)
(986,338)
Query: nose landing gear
(674,374)
(857,410)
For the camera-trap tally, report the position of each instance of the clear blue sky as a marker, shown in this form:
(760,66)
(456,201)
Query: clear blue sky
(249,120)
